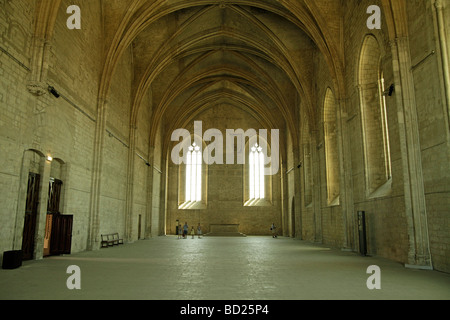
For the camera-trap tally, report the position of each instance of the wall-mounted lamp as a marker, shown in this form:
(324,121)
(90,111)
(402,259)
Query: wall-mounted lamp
(53,92)
(389,91)
(49,159)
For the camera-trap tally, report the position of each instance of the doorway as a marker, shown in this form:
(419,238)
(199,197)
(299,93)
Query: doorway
(293,217)
(61,235)
(58,227)
(139,226)
(31,212)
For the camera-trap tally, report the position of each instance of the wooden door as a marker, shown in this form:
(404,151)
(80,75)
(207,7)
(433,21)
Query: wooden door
(61,236)
(293,217)
(139,227)
(54,199)
(31,211)
(48,232)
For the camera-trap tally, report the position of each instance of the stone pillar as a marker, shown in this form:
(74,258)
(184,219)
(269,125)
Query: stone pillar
(415,207)
(93,239)
(46,13)
(346,179)
(37,83)
(316,193)
(130,185)
(284,197)
(163,192)
(148,214)
(297,195)
(443,42)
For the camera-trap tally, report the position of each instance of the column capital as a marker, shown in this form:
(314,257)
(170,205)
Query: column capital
(37,88)
(439,4)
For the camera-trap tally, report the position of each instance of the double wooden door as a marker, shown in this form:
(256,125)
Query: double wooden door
(58,231)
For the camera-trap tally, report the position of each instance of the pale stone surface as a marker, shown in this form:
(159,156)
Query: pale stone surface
(130,77)
(252,268)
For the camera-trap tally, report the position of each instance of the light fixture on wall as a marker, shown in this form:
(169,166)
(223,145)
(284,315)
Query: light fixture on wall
(49,158)
(389,91)
(53,92)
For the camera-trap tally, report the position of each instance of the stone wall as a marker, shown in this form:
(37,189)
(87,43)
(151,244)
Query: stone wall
(391,221)
(64,127)
(433,126)
(225,184)
(387,234)
(116,179)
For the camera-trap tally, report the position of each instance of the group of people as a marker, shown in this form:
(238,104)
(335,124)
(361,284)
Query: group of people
(183,231)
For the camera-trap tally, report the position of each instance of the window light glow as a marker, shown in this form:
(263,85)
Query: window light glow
(256,172)
(194,174)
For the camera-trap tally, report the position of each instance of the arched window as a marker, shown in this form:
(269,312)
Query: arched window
(256,173)
(374,117)
(193,191)
(384,125)
(331,148)
(259,169)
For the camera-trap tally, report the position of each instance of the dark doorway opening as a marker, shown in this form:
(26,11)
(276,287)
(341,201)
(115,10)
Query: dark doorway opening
(139,227)
(58,228)
(31,212)
(293,217)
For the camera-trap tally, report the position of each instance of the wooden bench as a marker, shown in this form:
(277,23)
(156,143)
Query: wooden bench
(117,239)
(112,239)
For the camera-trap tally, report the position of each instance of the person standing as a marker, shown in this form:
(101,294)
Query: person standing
(180,231)
(199,231)
(274,230)
(192,232)
(185,230)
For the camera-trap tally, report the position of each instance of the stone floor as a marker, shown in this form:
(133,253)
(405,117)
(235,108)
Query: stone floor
(251,268)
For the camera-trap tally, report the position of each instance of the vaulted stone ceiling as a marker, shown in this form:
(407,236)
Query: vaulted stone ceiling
(254,55)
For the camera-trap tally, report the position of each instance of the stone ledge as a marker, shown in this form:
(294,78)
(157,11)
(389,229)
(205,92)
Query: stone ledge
(225,234)
(224,230)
